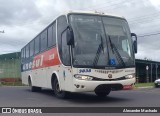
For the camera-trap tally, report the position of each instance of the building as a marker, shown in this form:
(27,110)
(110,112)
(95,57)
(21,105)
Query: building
(10,67)
(146,71)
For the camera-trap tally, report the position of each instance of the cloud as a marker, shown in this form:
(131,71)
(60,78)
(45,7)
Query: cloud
(17,12)
(22,20)
(156,3)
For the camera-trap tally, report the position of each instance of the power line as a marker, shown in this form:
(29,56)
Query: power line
(142,19)
(132,22)
(152,34)
(97,8)
(145,16)
(145,20)
(102,4)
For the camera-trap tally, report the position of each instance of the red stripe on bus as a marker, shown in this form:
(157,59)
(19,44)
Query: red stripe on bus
(46,59)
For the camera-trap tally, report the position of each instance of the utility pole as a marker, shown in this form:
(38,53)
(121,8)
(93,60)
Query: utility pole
(147,78)
(151,72)
(156,71)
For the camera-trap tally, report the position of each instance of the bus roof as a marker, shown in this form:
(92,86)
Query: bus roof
(94,13)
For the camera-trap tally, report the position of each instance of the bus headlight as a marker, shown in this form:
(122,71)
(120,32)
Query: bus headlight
(83,77)
(130,76)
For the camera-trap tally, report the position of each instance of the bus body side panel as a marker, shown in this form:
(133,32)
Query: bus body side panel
(41,68)
(24,78)
(66,75)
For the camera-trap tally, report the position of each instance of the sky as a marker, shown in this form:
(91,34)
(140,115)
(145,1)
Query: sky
(22,20)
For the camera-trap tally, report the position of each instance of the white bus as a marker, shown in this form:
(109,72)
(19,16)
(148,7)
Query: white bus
(81,52)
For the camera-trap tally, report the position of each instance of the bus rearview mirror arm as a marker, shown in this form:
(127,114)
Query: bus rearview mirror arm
(134,42)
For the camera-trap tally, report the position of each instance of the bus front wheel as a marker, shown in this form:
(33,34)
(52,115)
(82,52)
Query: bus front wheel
(102,93)
(58,93)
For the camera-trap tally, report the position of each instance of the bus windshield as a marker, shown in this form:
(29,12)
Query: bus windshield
(101,41)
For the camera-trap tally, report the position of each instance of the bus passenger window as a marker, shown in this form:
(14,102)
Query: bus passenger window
(37,45)
(27,51)
(43,40)
(24,52)
(52,35)
(32,48)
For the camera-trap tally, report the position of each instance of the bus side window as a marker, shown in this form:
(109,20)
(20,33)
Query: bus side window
(37,45)
(52,35)
(43,40)
(22,56)
(31,48)
(24,52)
(27,51)
(65,50)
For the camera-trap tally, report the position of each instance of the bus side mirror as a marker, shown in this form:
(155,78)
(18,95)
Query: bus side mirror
(70,37)
(134,37)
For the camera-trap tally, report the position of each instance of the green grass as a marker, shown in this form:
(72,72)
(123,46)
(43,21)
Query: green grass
(18,83)
(143,84)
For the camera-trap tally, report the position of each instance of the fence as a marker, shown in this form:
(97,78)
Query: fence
(10,70)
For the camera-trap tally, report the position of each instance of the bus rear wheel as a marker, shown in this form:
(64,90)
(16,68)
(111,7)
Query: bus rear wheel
(33,88)
(58,93)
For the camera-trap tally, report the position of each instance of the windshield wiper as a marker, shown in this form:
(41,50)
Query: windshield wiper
(100,48)
(119,58)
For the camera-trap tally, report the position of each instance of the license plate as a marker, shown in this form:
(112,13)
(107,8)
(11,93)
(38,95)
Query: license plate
(127,87)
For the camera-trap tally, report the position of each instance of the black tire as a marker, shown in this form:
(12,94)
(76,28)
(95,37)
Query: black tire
(56,89)
(33,88)
(102,93)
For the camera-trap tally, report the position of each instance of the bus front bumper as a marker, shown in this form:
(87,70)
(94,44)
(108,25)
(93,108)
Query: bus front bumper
(88,86)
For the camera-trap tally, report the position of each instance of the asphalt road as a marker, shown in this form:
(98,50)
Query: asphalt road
(23,97)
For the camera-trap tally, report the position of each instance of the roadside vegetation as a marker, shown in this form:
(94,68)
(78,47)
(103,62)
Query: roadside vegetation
(17,83)
(137,85)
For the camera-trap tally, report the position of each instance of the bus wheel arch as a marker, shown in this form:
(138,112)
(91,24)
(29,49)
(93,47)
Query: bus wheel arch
(33,88)
(53,77)
(56,87)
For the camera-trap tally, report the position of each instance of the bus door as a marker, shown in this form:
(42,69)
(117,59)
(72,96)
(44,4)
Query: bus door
(64,52)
